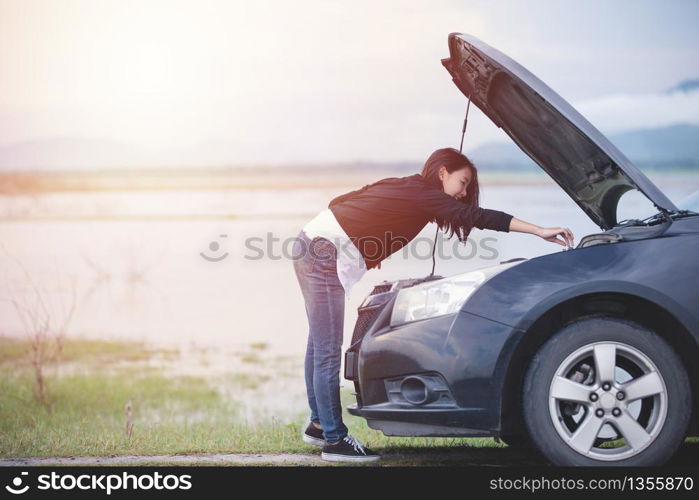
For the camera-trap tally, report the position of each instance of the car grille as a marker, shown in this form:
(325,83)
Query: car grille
(367,315)
(365,319)
(381,288)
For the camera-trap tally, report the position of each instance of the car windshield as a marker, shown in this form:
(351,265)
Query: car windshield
(690,203)
(687,207)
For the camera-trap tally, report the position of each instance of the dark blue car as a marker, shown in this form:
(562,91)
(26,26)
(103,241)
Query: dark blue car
(590,355)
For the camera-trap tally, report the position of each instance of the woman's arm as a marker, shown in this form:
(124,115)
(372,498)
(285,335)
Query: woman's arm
(437,204)
(547,233)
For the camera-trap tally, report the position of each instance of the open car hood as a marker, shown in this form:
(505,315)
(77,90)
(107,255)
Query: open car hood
(558,138)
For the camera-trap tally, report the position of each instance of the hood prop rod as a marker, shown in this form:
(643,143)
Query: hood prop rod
(461,147)
(463,129)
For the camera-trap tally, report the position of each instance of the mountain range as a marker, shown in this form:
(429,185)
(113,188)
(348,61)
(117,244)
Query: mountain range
(667,146)
(671,147)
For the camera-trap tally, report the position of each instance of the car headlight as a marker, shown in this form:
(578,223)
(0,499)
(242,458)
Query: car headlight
(440,297)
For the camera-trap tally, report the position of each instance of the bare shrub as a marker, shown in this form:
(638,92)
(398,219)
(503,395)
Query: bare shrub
(45,324)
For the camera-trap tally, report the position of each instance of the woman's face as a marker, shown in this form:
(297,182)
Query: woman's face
(456,183)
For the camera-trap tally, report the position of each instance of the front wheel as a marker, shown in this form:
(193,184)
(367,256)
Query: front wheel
(607,391)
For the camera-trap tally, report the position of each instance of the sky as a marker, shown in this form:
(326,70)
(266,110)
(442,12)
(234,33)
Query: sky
(277,82)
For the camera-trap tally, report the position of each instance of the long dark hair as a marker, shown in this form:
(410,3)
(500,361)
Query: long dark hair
(452,160)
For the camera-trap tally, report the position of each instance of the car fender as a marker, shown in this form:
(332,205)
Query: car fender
(622,288)
(519,295)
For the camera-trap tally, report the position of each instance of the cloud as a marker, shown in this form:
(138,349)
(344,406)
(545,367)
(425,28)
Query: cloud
(273,81)
(628,111)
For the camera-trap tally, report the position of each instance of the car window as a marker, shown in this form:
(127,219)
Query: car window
(691,202)
(634,205)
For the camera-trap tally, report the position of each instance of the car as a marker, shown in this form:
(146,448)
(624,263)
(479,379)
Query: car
(586,356)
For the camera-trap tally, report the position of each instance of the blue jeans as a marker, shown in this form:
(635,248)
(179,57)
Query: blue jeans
(315,263)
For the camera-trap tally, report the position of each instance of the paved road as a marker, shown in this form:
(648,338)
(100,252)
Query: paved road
(688,455)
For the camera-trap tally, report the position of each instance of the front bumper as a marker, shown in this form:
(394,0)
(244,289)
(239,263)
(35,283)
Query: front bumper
(393,421)
(462,350)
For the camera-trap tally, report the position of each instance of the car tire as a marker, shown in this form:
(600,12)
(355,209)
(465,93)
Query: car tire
(606,392)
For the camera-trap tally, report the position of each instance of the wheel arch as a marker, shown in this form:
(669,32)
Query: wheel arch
(601,304)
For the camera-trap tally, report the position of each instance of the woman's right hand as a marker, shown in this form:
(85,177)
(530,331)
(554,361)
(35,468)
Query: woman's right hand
(551,234)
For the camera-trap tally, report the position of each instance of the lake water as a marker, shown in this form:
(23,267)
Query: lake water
(135,258)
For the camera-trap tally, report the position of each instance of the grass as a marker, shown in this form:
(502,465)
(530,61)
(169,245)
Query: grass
(88,413)
(251,358)
(247,380)
(171,414)
(18,351)
(184,414)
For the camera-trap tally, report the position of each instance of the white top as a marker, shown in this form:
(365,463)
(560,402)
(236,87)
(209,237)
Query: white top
(350,263)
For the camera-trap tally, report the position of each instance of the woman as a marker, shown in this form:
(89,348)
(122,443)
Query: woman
(357,231)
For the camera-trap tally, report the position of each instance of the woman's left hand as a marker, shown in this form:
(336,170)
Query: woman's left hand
(551,234)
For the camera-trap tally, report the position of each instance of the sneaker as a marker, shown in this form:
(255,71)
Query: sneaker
(313,435)
(349,449)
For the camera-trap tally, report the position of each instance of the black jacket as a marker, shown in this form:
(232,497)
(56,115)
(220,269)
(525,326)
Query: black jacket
(382,217)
